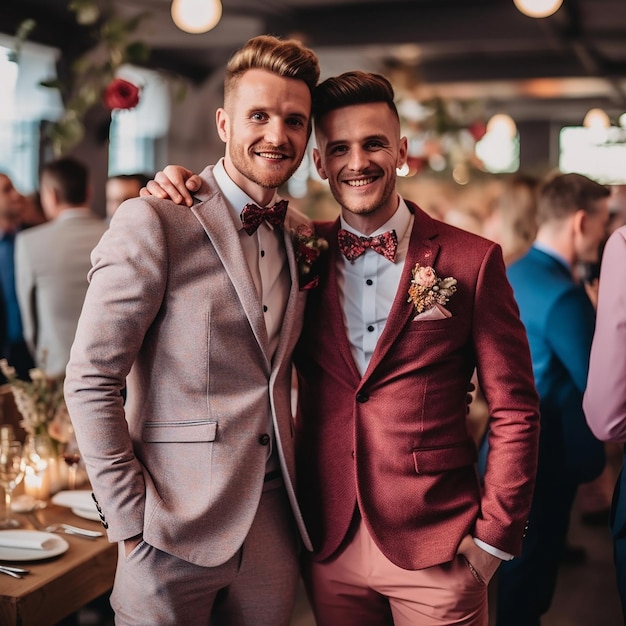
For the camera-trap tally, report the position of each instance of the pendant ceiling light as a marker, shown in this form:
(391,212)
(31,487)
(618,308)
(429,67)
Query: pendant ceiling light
(538,8)
(196,16)
(502,124)
(596,118)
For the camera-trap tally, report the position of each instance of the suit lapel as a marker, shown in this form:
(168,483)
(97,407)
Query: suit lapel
(331,303)
(214,215)
(293,313)
(423,250)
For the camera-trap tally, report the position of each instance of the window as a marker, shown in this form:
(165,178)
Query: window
(137,137)
(599,153)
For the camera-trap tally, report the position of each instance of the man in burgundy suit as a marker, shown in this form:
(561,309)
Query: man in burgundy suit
(403,531)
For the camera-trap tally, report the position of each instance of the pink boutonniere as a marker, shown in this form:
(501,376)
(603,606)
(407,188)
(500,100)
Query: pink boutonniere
(427,290)
(307,248)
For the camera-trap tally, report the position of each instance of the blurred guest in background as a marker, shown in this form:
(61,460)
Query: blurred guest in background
(52,262)
(512,221)
(12,344)
(605,397)
(559,319)
(122,187)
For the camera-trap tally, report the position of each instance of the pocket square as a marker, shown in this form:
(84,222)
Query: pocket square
(436,313)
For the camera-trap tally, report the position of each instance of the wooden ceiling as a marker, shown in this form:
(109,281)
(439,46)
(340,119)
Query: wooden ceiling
(538,69)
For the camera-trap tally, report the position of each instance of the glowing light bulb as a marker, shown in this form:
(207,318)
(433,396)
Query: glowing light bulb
(538,8)
(596,118)
(196,16)
(502,124)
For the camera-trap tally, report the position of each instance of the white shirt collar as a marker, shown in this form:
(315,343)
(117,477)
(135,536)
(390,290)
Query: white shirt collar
(399,222)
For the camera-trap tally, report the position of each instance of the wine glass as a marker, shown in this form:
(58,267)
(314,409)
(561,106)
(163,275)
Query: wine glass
(71,456)
(11,473)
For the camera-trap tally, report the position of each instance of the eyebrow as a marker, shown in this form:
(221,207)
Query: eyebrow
(339,142)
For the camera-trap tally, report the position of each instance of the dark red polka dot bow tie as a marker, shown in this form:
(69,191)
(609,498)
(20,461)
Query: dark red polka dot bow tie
(252,215)
(353,246)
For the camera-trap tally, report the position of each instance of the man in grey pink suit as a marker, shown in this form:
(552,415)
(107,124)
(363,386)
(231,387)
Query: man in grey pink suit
(407,307)
(200,309)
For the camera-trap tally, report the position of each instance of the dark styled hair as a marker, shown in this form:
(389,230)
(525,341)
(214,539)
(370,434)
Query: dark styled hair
(564,194)
(352,88)
(69,178)
(288,58)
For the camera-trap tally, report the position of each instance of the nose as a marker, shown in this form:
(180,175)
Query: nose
(276,132)
(358,160)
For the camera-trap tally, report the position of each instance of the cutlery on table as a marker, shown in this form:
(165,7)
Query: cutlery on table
(68,529)
(16,572)
(73,530)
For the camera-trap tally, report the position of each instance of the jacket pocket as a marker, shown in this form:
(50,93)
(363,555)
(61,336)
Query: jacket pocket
(180,432)
(444,458)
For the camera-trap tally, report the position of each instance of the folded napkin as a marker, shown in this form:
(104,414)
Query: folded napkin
(27,539)
(75,499)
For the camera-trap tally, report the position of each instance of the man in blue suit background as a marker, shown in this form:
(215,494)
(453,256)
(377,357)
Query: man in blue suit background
(559,319)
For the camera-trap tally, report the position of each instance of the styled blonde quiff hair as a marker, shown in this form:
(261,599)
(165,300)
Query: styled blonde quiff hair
(288,58)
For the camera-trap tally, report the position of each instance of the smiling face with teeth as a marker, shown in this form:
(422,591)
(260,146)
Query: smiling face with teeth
(265,124)
(359,149)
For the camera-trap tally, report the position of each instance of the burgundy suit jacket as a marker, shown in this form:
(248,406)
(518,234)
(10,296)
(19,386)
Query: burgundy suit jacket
(395,441)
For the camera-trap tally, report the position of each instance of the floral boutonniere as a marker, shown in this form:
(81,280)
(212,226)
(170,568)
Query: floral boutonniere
(428,290)
(307,247)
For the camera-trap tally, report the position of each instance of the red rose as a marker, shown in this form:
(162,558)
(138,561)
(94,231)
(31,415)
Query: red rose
(120,94)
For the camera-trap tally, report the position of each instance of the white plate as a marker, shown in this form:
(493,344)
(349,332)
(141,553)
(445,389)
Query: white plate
(58,546)
(79,499)
(87,514)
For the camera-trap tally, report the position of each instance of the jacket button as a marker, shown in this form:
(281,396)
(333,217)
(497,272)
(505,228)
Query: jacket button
(362,397)
(264,439)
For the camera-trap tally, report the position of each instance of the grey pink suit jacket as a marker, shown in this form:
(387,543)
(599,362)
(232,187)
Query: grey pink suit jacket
(395,442)
(172,306)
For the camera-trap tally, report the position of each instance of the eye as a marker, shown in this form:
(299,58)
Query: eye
(258,117)
(295,122)
(338,150)
(375,144)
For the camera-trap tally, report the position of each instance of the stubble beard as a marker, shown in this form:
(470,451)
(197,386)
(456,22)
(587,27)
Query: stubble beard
(366,206)
(244,163)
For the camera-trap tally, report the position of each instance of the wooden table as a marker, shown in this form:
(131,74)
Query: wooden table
(59,586)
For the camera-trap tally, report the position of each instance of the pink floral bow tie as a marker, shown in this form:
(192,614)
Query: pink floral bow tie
(352,246)
(252,215)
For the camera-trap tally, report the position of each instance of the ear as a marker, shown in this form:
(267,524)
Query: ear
(222,121)
(579,222)
(403,151)
(317,159)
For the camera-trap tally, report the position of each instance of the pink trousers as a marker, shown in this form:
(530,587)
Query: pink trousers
(361,587)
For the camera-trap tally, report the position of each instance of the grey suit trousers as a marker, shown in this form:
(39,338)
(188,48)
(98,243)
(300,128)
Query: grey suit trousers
(255,587)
